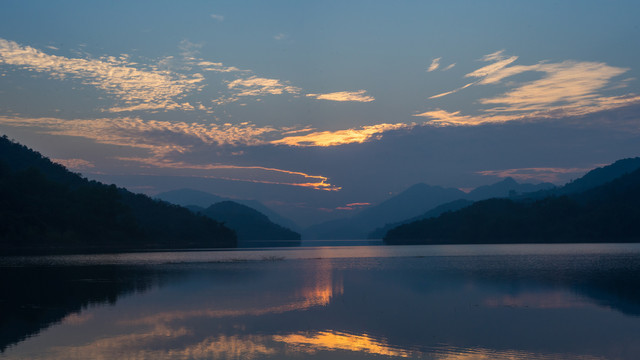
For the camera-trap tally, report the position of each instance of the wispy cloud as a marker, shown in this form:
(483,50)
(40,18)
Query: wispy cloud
(566,89)
(435,63)
(164,140)
(217,17)
(74,164)
(258,86)
(280,36)
(247,173)
(449,67)
(218,67)
(547,174)
(136,88)
(341,137)
(357,96)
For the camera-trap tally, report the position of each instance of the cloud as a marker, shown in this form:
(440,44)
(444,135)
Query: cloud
(451,92)
(217,17)
(358,96)
(546,174)
(316,182)
(341,137)
(449,67)
(137,89)
(280,36)
(434,64)
(218,67)
(74,164)
(164,140)
(258,86)
(565,89)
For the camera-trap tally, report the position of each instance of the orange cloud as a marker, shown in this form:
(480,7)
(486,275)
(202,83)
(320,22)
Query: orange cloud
(341,137)
(138,89)
(257,86)
(357,96)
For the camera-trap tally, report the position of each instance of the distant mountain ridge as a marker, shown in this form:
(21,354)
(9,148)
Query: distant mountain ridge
(251,226)
(44,207)
(601,206)
(203,199)
(409,204)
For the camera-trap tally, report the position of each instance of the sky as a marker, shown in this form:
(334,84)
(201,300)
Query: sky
(320,109)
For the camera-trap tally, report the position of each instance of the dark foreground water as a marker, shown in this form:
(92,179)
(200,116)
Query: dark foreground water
(368,302)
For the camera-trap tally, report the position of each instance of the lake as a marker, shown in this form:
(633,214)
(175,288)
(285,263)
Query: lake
(349,302)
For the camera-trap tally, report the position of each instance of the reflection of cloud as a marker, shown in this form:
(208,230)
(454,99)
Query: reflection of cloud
(548,174)
(74,164)
(565,89)
(434,64)
(257,86)
(358,96)
(144,345)
(341,137)
(334,340)
(139,89)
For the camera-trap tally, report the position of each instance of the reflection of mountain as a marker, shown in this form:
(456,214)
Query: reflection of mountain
(605,213)
(34,298)
(458,307)
(45,207)
(253,228)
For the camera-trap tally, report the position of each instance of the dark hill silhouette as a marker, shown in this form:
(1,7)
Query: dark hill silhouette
(253,228)
(187,197)
(605,213)
(379,233)
(46,208)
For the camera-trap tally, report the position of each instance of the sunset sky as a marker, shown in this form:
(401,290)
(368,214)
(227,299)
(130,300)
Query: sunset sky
(318,108)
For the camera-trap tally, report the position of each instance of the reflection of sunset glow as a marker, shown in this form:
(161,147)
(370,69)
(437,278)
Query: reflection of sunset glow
(320,290)
(333,340)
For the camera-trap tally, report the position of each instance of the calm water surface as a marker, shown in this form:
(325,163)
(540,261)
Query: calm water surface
(415,302)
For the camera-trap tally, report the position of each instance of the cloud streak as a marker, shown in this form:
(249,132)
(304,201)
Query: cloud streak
(356,96)
(137,89)
(546,174)
(434,65)
(341,137)
(259,86)
(565,89)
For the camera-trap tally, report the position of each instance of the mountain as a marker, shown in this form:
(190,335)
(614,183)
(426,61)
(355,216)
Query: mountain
(608,212)
(380,232)
(186,197)
(414,201)
(506,188)
(252,227)
(46,208)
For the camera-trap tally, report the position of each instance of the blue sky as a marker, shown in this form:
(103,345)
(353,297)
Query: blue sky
(314,105)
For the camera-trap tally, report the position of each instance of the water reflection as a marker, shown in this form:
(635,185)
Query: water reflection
(539,306)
